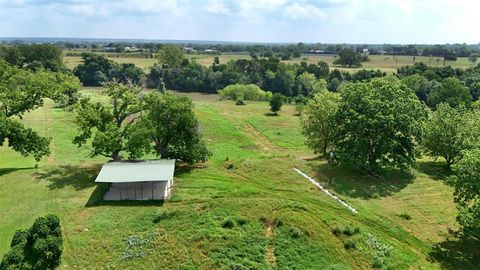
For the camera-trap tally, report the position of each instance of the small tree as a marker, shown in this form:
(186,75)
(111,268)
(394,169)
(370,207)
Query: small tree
(110,128)
(348,58)
(451,91)
(319,122)
(467,190)
(170,125)
(449,132)
(170,56)
(39,247)
(473,58)
(276,103)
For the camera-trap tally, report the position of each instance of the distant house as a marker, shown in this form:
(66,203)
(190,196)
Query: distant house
(137,180)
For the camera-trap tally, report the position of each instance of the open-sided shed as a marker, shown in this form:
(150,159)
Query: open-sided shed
(137,180)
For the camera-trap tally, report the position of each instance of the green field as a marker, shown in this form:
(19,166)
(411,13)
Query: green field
(244,209)
(385,63)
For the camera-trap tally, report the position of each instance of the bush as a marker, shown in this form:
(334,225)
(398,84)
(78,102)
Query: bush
(228,224)
(336,230)
(405,216)
(242,221)
(294,232)
(351,230)
(39,247)
(244,92)
(240,102)
(350,244)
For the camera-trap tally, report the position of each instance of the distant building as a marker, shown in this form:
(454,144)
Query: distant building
(137,180)
(189,49)
(210,51)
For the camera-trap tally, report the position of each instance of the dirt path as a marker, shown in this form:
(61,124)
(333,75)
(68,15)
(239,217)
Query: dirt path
(259,139)
(270,249)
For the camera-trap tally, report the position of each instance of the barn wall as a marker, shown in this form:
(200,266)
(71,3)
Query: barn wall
(157,190)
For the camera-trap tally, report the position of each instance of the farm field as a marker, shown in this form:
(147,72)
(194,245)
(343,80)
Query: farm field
(244,209)
(385,63)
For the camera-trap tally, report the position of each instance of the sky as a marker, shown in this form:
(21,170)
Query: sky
(325,21)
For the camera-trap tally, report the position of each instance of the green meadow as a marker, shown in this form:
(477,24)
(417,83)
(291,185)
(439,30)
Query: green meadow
(244,209)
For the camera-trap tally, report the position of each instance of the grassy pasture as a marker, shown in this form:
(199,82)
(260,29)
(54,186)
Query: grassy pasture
(244,209)
(385,63)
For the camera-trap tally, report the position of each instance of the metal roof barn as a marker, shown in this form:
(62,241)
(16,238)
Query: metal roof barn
(137,180)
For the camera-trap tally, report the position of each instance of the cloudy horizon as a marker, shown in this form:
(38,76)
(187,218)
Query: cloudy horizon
(271,21)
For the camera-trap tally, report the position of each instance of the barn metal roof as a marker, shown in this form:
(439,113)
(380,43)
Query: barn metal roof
(136,171)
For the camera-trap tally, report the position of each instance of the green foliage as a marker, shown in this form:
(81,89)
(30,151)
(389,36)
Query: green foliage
(97,70)
(34,56)
(170,56)
(308,85)
(449,132)
(39,247)
(228,224)
(138,246)
(276,103)
(467,190)
(350,244)
(451,91)
(348,58)
(378,122)
(244,92)
(319,121)
(169,123)
(381,251)
(419,85)
(111,129)
(22,91)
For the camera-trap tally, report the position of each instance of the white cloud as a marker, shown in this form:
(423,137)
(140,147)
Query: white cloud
(217,7)
(296,11)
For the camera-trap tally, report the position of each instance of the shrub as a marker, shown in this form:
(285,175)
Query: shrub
(39,247)
(336,230)
(405,216)
(240,102)
(351,230)
(228,224)
(244,92)
(242,221)
(350,244)
(294,232)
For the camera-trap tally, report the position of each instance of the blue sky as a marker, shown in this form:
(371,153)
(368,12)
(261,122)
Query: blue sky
(336,21)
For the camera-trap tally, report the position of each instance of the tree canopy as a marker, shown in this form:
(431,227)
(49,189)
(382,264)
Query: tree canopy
(378,122)
(348,58)
(465,179)
(110,127)
(97,70)
(170,56)
(450,91)
(38,247)
(22,91)
(276,103)
(449,132)
(169,124)
(319,121)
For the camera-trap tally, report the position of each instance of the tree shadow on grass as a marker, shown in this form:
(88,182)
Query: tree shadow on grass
(458,251)
(359,184)
(4,171)
(271,114)
(436,170)
(79,177)
(96,199)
